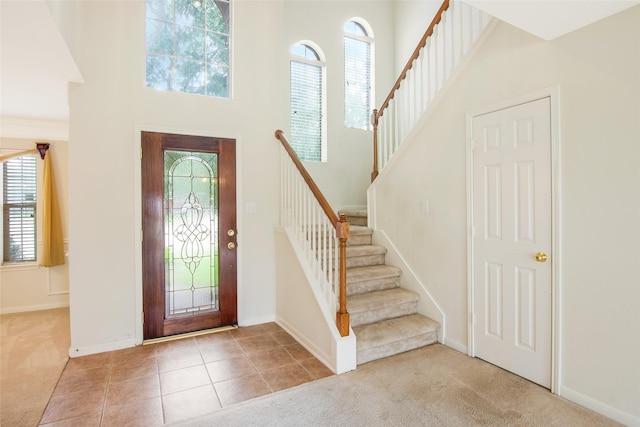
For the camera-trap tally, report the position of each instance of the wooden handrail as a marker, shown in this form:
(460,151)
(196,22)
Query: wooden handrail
(375,117)
(341,227)
(333,217)
(414,56)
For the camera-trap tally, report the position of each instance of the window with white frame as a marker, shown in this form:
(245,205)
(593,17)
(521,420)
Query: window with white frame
(358,89)
(188,45)
(307,98)
(19,214)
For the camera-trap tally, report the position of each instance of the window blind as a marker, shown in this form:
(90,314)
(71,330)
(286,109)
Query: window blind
(357,83)
(19,209)
(306,110)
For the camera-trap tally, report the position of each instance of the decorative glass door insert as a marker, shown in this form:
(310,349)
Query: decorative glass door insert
(191,232)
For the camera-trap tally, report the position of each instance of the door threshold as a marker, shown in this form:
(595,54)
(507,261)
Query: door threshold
(189,334)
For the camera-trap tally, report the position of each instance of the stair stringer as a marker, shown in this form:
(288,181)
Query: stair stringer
(427,305)
(302,311)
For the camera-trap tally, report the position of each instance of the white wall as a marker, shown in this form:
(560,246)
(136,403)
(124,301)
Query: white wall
(412,18)
(302,310)
(596,70)
(108,111)
(33,287)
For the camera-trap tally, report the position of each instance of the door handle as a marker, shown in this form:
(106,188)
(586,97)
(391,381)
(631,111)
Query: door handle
(540,257)
(231,245)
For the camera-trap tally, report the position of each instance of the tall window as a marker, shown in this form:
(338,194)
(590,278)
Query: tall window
(308,103)
(19,209)
(358,91)
(188,46)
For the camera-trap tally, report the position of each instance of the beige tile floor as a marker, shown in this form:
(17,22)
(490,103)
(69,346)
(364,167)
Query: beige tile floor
(160,383)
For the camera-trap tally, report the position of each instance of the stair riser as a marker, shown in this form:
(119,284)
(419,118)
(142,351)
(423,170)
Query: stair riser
(356,240)
(383,313)
(366,260)
(357,220)
(359,240)
(372,285)
(361,261)
(365,355)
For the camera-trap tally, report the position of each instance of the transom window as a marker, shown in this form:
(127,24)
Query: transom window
(358,90)
(19,209)
(307,99)
(188,46)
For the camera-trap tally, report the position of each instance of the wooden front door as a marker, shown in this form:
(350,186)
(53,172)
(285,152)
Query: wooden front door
(189,233)
(512,240)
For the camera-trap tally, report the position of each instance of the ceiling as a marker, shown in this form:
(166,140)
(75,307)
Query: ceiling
(549,19)
(36,65)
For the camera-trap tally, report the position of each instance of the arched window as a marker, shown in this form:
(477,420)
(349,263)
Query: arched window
(358,71)
(307,98)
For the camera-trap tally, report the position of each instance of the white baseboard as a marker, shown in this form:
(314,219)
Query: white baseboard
(600,407)
(257,320)
(38,307)
(101,348)
(462,348)
(306,343)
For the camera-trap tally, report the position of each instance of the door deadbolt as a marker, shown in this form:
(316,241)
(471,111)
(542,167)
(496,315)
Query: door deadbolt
(540,257)
(231,233)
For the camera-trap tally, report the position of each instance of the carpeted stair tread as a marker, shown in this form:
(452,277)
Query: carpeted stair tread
(393,336)
(378,299)
(372,278)
(358,274)
(354,212)
(364,255)
(360,229)
(355,216)
(375,306)
(359,235)
(362,250)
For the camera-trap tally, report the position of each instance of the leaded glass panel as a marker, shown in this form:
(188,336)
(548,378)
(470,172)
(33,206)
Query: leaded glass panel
(191,232)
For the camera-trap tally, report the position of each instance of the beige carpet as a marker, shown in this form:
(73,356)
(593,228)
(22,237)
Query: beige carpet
(434,386)
(34,349)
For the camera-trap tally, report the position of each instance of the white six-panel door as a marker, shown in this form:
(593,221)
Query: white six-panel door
(511,220)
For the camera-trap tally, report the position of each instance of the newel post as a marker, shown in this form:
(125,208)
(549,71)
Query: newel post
(374,122)
(342,316)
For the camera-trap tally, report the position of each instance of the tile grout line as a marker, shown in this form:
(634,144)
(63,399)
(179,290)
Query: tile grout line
(106,391)
(208,373)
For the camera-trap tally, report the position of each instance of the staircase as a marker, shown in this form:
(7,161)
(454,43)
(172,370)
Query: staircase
(383,315)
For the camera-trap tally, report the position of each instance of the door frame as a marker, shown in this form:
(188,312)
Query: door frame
(137,182)
(553,93)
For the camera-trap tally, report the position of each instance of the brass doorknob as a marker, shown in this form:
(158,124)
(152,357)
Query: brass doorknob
(540,257)
(231,245)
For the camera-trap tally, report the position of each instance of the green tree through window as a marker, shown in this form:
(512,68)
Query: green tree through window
(188,46)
